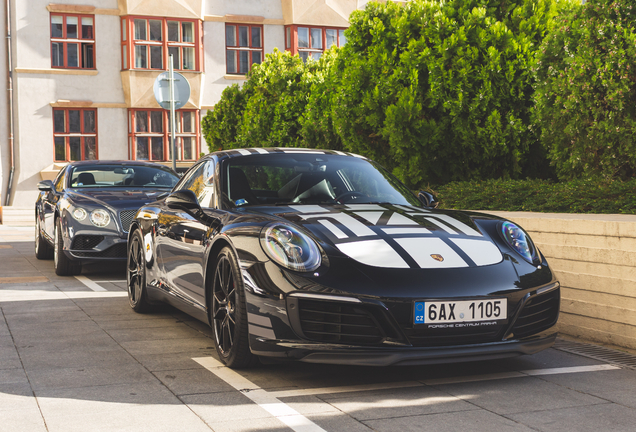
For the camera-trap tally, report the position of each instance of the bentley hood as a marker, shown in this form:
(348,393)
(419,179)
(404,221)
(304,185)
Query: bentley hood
(118,199)
(396,236)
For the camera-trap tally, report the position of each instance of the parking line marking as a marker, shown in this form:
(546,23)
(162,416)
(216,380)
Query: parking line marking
(89,283)
(441,381)
(111,281)
(283,412)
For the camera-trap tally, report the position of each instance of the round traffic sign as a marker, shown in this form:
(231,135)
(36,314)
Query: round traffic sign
(161,89)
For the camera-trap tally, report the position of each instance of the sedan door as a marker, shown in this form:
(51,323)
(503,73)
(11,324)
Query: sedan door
(49,203)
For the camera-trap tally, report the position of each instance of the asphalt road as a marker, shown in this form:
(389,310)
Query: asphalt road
(75,357)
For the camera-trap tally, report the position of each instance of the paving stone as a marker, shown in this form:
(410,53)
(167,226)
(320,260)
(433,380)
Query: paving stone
(171,361)
(464,421)
(392,403)
(86,358)
(203,345)
(192,381)
(606,417)
(59,378)
(271,424)
(224,406)
(507,396)
(175,331)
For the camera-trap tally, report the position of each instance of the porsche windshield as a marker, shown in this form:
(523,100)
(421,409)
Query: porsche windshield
(285,178)
(96,176)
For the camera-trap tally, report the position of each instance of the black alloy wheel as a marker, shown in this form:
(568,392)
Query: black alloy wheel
(136,274)
(228,313)
(43,250)
(64,266)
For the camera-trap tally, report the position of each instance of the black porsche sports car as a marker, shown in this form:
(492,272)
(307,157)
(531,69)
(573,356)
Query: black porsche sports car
(84,215)
(322,256)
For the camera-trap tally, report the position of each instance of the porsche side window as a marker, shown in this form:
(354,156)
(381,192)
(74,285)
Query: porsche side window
(206,196)
(194,181)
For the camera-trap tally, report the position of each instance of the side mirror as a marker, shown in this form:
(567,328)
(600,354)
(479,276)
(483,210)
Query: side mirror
(46,186)
(428,199)
(183,199)
(162,196)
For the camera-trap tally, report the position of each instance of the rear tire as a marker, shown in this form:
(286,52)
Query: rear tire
(136,275)
(228,313)
(63,265)
(43,250)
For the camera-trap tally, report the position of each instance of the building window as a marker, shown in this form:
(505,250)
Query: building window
(75,134)
(312,41)
(72,41)
(244,47)
(149,135)
(148,42)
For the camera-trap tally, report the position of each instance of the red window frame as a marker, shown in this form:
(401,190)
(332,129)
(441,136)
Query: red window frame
(68,137)
(130,44)
(291,40)
(137,136)
(85,45)
(250,49)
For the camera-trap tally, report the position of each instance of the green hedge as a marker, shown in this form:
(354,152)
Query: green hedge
(577,196)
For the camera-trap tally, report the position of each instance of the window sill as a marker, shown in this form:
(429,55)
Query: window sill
(235,77)
(57,71)
(181,71)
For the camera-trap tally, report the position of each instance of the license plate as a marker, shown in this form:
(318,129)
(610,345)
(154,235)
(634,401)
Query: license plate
(458,313)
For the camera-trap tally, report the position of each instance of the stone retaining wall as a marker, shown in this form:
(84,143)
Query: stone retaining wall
(594,257)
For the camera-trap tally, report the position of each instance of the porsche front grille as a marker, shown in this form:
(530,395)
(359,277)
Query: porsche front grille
(333,322)
(126,217)
(539,313)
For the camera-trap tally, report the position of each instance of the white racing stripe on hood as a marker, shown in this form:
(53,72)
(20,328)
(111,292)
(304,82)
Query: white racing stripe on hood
(457,224)
(244,152)
(309,209)
(358,228)
(370,216)
(334,229)
(414,230)
(399,219)
(364,207)
(482,252)
(410,209)
(261,151)
(421,250)
(376,253)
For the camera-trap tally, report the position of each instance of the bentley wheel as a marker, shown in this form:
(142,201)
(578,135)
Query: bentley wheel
(136,275)
(63,265)
(228,313)
(43,249)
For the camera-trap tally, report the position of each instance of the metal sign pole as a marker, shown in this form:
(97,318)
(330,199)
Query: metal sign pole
(172,116)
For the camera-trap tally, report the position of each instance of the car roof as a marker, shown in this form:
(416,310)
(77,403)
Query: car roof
(116,162)
(222,154)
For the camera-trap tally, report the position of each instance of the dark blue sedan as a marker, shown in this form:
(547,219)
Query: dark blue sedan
(85,213)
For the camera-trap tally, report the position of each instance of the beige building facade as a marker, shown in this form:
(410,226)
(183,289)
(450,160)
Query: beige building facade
(83,73)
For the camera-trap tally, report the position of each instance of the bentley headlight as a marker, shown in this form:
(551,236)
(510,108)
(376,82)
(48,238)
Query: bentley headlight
(100,218)
(79,214)
(290,248)
(519,241)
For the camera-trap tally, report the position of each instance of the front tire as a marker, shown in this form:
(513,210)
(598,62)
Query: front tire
(136,275)
(228,313)
(43,250)
(63,265)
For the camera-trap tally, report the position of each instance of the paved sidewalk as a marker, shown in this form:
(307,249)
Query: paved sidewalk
(76,359)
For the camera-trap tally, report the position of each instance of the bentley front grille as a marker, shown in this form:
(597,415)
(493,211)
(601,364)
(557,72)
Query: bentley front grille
(85,242)
(126,217)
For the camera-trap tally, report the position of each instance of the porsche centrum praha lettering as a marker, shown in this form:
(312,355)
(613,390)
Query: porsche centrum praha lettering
(323,256)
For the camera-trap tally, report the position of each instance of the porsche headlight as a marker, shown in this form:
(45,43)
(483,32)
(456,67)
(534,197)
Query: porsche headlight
(290,248)
(100,218)
(79,214)
(519,241)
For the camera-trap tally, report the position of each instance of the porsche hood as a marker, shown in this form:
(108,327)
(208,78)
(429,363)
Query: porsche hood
(397,236)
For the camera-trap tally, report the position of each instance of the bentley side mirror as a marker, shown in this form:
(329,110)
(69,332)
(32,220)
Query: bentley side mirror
(46,186)
(183,199)
(428,199)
